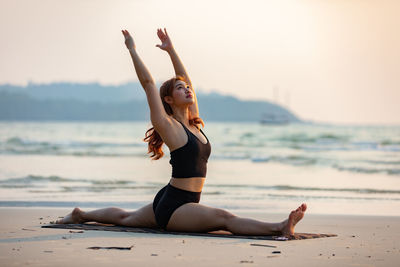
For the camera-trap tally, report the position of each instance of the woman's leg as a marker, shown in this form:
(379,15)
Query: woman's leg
(143,217)
(194,217)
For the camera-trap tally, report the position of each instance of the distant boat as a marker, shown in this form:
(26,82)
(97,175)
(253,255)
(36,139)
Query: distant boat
(274,119)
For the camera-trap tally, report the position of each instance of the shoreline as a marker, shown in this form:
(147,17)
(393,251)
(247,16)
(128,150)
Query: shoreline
(132,182)
(361,240)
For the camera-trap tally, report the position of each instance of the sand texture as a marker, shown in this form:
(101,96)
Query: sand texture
(361,241)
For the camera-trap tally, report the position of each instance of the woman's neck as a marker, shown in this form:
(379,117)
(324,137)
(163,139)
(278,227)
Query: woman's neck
(181,115)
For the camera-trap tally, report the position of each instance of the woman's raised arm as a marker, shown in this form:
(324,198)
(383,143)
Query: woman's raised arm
(157,112)
(166,45)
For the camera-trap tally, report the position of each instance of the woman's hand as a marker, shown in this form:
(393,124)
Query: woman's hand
(130,44)
(166,43)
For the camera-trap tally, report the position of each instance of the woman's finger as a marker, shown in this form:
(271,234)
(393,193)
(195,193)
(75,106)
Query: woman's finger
(160,34)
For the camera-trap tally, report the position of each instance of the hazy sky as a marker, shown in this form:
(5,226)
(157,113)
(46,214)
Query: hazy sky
(328,60)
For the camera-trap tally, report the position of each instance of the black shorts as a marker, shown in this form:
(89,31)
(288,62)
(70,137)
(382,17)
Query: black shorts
(168,199)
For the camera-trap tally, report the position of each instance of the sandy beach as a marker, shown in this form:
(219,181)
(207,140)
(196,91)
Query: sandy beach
(361,241)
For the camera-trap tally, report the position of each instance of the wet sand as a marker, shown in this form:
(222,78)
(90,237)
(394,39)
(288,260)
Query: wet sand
(361,241)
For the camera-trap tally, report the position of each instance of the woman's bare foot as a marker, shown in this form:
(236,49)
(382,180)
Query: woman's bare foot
(74,217)
(294,217)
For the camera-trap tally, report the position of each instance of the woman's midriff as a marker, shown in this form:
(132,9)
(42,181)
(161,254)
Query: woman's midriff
(194,184)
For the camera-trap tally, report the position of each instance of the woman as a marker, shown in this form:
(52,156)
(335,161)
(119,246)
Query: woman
(176,122)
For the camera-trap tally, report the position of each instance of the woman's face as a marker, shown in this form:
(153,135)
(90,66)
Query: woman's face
(182,94)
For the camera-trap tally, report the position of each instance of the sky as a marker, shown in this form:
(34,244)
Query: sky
(330,61)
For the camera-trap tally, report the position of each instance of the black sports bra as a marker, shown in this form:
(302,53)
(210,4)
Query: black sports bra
(191,159)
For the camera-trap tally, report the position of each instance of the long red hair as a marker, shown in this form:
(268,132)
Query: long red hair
(154,140)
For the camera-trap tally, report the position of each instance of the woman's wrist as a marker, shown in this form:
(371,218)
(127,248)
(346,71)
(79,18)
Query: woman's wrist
(170,50)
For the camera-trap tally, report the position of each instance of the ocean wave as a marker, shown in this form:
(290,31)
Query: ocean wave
(35,178)
(233,144)
(301,160)
(55,151)
(384,162)
(306,138)
(14,141)
(351,146)
(307,197)
(231,156)
(57,179)
(298,140)
(367,170)
(387,142)
(310,140)
(314,146)
(247,135)
(290,159)
(17,145)
(77,184)
(299,188)
(103,188)
(24,142)
(213,193)
(61,184)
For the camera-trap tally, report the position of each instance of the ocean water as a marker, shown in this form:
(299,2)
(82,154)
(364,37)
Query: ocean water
(253,167)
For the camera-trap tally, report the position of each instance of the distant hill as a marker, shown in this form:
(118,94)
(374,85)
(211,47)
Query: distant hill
(88,92)
(71,101)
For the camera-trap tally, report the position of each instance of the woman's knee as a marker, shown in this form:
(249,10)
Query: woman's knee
(123,214)
(130,218)
(118,214)
(223,215)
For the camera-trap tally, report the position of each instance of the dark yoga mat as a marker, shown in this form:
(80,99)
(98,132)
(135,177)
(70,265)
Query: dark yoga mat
(103,227)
